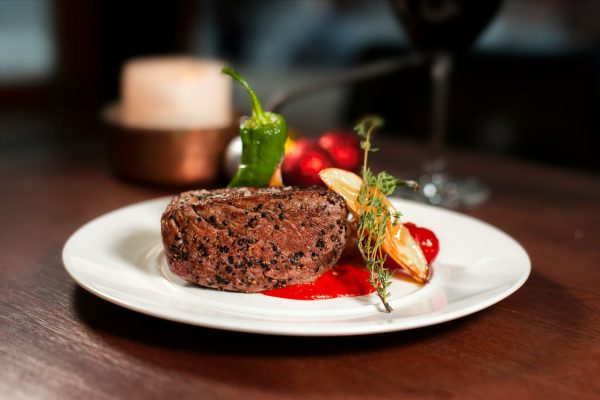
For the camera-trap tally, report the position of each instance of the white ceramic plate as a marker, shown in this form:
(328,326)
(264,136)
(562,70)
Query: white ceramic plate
(119,257)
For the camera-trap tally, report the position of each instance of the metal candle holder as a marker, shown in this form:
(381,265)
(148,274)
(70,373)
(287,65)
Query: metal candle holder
(173,157)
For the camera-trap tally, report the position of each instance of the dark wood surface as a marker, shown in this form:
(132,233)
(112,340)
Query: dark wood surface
(58,341)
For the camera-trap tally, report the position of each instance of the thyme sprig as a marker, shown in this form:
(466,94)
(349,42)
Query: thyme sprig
(374,214)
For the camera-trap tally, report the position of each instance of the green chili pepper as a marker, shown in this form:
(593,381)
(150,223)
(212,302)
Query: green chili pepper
(263,138)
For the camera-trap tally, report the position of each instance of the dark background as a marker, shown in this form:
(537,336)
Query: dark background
(529,88)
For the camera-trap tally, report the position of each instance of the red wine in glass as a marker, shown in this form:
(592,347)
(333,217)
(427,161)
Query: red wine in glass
(440,29)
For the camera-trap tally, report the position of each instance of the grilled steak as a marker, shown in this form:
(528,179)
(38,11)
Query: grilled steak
(250,239)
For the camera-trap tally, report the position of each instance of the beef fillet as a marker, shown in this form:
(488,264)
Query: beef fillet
(254,239)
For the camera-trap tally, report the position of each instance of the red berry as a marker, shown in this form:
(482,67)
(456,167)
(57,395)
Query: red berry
(343,147)
(301,166)
(426,239)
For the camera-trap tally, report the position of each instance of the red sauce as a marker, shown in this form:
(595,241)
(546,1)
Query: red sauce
(349,278)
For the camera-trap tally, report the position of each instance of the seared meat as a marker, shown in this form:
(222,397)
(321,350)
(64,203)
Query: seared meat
(251,240)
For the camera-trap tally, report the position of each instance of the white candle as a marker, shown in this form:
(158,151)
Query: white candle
(175,93)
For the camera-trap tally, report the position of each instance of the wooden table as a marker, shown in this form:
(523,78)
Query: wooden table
(59,342)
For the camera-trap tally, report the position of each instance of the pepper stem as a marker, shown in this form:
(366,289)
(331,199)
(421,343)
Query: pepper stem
(257,110)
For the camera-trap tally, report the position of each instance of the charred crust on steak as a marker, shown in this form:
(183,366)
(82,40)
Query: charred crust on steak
(252,240)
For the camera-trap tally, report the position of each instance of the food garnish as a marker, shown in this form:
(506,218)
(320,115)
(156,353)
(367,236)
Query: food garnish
(427,240)
(263,139)
(380,232)
(343,147)
(303,162)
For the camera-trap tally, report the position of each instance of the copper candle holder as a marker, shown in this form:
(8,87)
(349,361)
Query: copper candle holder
(172,157)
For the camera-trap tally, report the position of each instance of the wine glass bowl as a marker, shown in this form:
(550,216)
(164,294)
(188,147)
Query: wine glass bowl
(450,25)
(440,29)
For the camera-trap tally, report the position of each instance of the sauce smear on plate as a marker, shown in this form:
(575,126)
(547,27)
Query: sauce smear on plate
(347,279)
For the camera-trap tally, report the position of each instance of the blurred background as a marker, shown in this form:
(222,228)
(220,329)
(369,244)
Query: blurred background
(528,88)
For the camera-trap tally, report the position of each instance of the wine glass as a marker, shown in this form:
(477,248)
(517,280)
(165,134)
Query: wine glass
(441,29)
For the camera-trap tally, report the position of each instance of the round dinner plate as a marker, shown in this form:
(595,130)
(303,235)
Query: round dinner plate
(119,257)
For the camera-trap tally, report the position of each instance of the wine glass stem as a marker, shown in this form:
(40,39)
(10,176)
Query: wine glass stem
(440,70)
